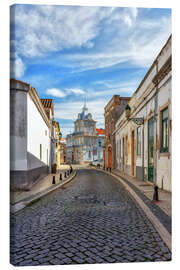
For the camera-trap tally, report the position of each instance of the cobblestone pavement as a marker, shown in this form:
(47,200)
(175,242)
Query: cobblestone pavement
(93,219)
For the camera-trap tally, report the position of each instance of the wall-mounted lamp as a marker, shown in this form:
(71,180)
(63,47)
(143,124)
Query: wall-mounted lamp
(138,121)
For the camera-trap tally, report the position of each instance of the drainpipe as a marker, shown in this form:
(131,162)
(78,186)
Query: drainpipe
(156,128)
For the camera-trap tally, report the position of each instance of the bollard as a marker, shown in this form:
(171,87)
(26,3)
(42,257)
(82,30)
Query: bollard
(155,196)
(60,177)
(110,169)
(67,172)
(65,175)
(107,169)
(53,181)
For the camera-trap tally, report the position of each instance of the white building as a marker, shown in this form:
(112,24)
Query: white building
(144,151)
(30,136)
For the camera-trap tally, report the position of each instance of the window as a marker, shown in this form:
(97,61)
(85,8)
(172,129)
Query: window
(164,134)
(40,151)
(138,141)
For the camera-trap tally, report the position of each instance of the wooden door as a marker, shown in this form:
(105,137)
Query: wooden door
(110,157)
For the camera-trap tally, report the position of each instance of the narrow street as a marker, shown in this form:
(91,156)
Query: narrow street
(92,219)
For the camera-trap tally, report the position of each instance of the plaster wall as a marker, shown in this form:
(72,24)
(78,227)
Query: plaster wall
(37,133)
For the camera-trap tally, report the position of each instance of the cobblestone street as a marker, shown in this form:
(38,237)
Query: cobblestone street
(92,219)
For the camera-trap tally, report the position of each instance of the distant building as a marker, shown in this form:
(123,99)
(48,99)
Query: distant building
(63,151)
(112,111)
(48,105)
(99,143)
(58,137)
(82,143)
(30,136)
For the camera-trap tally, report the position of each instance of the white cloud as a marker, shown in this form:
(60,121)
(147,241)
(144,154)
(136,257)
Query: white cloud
(112,36)
(56,92)
(134,47)
(76,91)
(17,67)
(44,29)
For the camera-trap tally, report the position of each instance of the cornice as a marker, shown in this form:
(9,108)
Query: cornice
(165,69)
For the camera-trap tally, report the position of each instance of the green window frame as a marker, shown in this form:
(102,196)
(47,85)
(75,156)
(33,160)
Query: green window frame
(138,141)
(164,131)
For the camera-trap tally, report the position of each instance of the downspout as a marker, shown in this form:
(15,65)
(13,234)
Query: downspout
(156,127)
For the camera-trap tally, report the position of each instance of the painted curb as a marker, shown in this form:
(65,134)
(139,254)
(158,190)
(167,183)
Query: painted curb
(165,235)
(22,204)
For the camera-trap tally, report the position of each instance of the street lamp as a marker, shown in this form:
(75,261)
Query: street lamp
(138,121)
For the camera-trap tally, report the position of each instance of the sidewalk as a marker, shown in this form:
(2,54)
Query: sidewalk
(19,199)
(148,190)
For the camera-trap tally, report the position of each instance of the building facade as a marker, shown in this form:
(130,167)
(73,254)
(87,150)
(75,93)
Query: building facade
(63,151)
(143,131)
(30,136)
(112,111)
(99,143)
(81,145)
(48,105)
(58,136)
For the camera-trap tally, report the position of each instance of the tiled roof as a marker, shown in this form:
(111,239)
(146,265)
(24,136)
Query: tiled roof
(48,103)
(100,131)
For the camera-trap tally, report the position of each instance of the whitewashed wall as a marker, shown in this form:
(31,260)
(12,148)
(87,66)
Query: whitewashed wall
(37,133)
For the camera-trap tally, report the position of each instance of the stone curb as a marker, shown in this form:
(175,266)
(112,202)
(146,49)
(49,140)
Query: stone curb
(165,235)
(22,204)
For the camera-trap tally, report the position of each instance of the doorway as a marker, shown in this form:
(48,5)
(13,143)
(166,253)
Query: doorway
(110,157)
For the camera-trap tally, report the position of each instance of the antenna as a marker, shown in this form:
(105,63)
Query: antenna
(85,100)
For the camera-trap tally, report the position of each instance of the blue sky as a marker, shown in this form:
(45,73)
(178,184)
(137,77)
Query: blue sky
(67,52)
